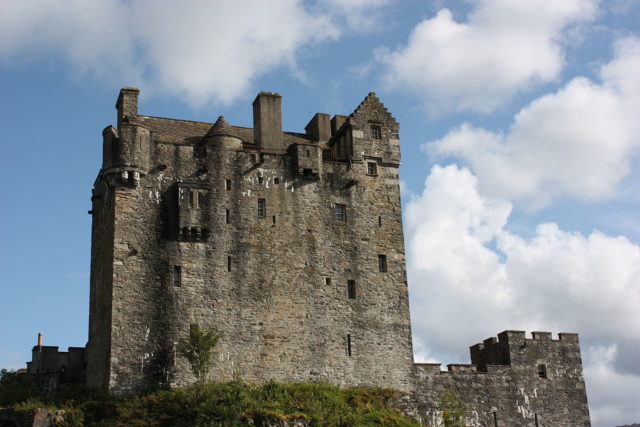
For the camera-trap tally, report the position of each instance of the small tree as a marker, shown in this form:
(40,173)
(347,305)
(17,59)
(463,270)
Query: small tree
(197,350)
(453,408)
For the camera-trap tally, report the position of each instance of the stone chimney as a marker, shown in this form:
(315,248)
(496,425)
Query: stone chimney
(39,339)
(267,121)
(319,127)
(127,104)
(337,122)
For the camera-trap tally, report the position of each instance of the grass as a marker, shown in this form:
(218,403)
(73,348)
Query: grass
(215,404)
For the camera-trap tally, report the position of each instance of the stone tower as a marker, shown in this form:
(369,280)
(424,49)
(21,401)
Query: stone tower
(289,245)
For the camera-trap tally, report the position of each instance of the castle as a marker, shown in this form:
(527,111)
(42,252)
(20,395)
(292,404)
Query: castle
(290,245)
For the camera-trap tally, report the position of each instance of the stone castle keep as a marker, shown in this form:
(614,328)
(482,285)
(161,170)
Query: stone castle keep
(290,245)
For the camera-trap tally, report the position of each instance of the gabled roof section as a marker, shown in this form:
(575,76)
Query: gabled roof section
(373,109)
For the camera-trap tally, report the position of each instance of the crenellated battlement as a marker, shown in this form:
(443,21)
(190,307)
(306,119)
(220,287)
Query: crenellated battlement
(512,347)
(512,380)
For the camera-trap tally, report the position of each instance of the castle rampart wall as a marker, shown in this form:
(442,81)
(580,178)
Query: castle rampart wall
(517,393)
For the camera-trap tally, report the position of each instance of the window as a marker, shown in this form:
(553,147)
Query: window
(200,200)
(273,219)
(227,216)
(276,180)
(228,263)
(339,213)
(227,184)
(261,208)
(192,199)
(542,371)
(379,221)
(351,289)
(308,153)
(376,132)
(327,281)
(260,180)
(349,345)
(372,168)
(382,263)
(177,276)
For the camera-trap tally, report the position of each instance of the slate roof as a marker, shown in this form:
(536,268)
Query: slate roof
(189,132)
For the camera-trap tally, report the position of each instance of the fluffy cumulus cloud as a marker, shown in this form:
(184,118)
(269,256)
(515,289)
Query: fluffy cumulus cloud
(470,278)
(201,50)
(504,46)
(579,141)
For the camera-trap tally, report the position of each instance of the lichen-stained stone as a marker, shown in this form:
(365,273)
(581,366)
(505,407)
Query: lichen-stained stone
(272,280)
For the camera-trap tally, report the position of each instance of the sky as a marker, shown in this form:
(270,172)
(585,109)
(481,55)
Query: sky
(520,137)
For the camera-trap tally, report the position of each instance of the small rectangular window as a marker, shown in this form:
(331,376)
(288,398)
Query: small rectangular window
(372,168)
(192,199)
(228,263)
(382,263)
(227,216)
(542,371)
(276,180)
(339,213)
(273,220)
(227,184)
(177,276)
(349,345)
(261,208)
(260,180)
(351,289)
(375,132)
(200,200)
(379,221)
(327,281)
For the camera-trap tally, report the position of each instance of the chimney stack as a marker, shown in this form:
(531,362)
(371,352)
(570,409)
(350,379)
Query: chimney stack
(267,121)
(319,127)
(39,339)
(127,103)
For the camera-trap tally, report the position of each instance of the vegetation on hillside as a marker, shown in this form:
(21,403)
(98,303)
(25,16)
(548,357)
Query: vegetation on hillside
(212,404)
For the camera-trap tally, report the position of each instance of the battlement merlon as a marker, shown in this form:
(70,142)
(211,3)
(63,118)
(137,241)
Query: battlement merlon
(512,347)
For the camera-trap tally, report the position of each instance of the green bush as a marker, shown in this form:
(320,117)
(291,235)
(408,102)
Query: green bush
(227,404)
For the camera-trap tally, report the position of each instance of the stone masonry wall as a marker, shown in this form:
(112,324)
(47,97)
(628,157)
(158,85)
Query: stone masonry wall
(275,287)
(514,393)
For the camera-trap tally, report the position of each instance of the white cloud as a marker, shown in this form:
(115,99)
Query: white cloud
(358,15)
(504,46)
(610,389)
(470,278)
(202,50)
(578,141)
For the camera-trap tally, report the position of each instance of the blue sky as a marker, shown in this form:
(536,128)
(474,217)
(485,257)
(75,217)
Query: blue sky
(519,131)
